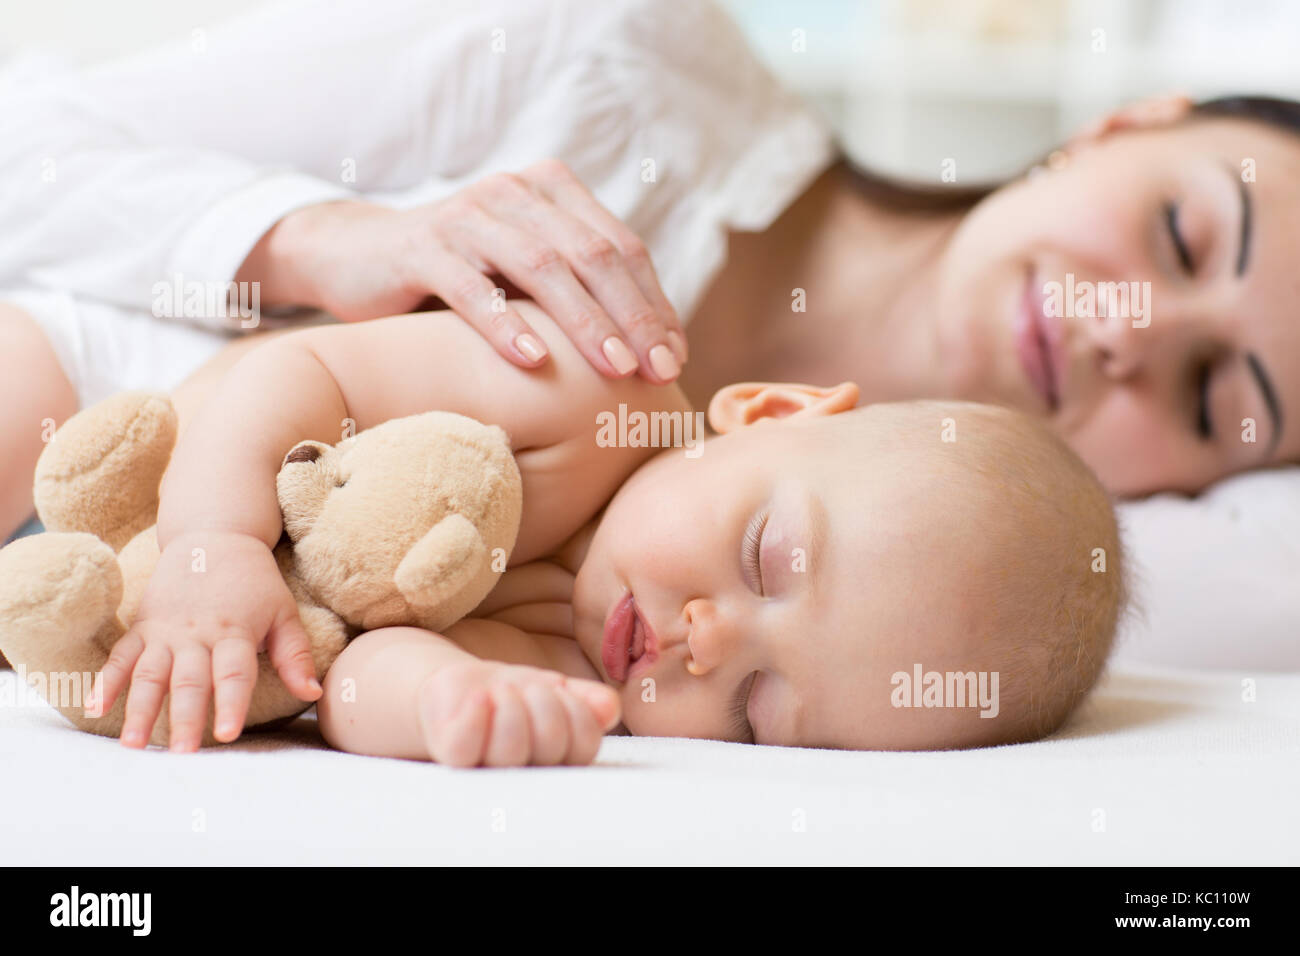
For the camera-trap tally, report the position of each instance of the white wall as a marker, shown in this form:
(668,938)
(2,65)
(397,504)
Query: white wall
(90,30)
(997,83)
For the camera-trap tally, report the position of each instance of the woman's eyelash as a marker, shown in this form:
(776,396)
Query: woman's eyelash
(740,726)
(752,549)
(1180,247)
(1204,427)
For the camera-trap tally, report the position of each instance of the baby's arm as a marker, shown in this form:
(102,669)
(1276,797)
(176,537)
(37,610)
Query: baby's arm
(199,632)
(407,692)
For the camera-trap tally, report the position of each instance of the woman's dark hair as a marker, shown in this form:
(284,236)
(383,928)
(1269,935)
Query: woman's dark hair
(1278,113)
(899,195)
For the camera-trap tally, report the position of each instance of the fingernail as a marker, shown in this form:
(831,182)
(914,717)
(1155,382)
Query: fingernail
(529,347)
(132,737)
(678,342)
(619,355)
(226,730)
(663,363)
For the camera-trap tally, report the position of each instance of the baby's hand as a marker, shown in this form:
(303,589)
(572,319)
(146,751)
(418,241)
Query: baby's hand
(486,713)
(212,602)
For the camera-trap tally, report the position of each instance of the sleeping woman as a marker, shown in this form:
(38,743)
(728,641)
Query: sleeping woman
(393,158)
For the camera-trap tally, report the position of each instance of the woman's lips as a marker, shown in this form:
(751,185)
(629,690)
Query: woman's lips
(629,643)
(1038,343)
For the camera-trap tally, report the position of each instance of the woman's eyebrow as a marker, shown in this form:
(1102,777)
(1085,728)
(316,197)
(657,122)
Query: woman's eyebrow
(1270,398)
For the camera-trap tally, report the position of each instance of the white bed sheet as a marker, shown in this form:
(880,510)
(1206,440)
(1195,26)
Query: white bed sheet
(1161,767)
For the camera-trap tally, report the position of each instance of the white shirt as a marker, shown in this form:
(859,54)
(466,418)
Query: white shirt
(175,162)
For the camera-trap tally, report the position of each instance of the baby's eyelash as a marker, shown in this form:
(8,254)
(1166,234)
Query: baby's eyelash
(752,547)
(740,710)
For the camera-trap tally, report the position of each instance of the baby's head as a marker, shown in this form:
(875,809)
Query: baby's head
(920,575)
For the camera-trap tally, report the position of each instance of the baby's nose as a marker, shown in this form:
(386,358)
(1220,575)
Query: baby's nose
(710,636)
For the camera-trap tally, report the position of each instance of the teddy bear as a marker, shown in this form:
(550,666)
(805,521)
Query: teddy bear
(409,522)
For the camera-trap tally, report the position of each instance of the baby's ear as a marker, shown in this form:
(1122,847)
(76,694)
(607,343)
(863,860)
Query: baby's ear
(748,402)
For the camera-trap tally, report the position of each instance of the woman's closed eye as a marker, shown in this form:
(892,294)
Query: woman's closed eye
(751,551)
(1176,237)
(1204,424)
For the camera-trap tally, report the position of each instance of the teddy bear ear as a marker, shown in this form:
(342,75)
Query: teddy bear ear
(304,452)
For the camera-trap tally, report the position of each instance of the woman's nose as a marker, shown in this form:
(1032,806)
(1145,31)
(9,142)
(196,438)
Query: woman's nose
(711,637)
(1122,343)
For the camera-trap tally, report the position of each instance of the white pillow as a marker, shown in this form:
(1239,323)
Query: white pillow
(1216,578)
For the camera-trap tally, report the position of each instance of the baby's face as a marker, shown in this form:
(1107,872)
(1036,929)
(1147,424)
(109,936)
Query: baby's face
(777,583)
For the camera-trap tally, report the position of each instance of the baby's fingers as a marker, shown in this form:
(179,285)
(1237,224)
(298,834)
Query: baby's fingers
(115,674)
(550,724)
(234,673)
(454,726)
(290,651)
(584,732)
(511,738)
(191,686)
(602,700)
(149,682)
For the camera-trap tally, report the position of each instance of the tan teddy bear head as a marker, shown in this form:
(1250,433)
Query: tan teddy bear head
(409,523)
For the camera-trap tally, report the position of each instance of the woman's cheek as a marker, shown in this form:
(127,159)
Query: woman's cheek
(1130,452)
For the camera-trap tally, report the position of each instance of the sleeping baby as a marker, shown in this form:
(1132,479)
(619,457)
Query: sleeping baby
(902,576)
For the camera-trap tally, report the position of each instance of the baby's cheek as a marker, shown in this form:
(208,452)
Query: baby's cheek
(638,707)
(653,710)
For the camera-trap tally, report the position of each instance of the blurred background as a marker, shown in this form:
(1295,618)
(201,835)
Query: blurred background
(908,82)
(1000,82)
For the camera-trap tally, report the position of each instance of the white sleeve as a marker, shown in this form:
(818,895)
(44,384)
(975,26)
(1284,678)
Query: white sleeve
(178,160)
(87,209)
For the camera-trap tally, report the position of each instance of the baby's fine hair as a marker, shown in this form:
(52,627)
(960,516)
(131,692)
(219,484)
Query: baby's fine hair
(1054,578)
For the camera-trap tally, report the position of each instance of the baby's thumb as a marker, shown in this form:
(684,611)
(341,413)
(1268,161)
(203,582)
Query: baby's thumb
(289,648)
(602,700)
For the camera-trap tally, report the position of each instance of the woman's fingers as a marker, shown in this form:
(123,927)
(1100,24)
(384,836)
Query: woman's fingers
(598,264)
(475,299)
(540,269)
(557,183)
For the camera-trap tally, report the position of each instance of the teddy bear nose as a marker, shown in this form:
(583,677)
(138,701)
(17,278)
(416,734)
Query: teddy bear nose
(306,453)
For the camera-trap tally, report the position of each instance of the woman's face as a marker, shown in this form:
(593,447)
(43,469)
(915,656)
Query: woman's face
(1159,392)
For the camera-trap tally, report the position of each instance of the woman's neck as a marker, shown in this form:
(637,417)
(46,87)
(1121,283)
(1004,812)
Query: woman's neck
(867,277)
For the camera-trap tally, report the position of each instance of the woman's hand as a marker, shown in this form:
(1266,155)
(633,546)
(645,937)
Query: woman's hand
(213,601)
(541,230)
